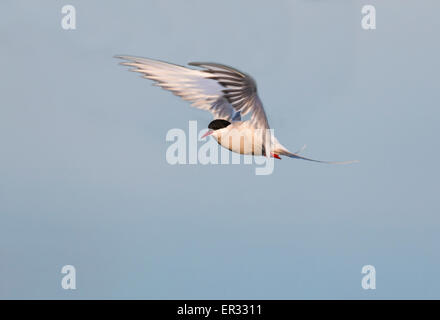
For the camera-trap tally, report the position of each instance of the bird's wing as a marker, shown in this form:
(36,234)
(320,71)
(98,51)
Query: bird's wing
(191,85)
(239,89)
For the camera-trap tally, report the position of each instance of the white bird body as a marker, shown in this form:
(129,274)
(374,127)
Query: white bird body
(241,137)
(228,94)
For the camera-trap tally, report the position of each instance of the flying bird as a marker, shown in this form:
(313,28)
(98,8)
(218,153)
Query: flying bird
(229,95)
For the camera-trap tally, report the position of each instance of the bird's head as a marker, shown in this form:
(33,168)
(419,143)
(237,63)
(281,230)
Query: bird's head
(216,125)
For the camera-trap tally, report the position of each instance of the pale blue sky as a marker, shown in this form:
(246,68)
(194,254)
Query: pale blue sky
(84,181)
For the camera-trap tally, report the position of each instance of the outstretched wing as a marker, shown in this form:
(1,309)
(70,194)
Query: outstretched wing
(192,85)
(240,90)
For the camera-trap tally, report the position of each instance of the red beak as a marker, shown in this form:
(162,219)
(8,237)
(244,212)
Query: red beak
(209,132)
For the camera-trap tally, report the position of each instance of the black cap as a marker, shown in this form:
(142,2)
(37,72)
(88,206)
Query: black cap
(218,124)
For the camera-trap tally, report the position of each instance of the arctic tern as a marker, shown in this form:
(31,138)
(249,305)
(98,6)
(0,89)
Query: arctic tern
(229,95)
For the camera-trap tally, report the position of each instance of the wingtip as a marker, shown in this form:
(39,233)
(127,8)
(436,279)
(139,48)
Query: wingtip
(125,57)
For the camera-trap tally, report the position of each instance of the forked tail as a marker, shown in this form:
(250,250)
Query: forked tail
(297,156)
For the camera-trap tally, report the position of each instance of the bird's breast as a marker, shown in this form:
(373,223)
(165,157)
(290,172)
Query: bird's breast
(240,141)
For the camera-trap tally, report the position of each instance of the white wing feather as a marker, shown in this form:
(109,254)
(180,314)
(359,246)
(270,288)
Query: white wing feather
(189,84)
